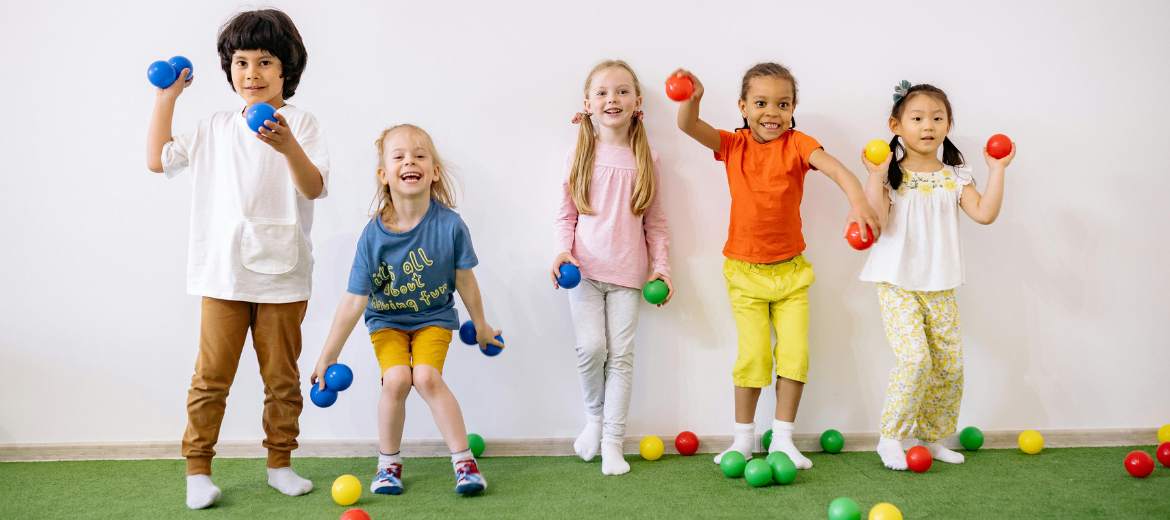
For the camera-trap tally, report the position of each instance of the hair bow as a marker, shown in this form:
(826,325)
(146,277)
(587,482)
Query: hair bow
(900,90)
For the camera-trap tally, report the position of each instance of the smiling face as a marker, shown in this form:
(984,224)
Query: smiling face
(256,76)
(923,124)
(408,166)
(768,107)
(613,97)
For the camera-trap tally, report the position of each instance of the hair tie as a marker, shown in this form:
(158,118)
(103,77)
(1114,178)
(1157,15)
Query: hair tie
(579,116)
(639,115)
(900,90)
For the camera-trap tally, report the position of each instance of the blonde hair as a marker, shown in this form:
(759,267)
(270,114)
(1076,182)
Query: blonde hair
(581,175)
(442,190)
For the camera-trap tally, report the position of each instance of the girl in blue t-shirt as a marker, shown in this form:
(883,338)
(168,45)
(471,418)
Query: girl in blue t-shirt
(411,257)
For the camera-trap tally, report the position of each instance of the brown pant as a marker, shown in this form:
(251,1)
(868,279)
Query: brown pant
(276,335)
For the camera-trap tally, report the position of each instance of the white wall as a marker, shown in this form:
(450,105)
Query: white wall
(1063,314)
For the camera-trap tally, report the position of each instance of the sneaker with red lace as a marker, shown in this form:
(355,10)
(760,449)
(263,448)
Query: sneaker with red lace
(388,481)
(468,479)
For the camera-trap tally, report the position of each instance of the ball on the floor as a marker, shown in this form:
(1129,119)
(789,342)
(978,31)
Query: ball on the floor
(885,511)
(355,514)
(338,377)
(686,443)
(655,292)
(467,333)
(347,489)
(732,464)
(832,441)
(1031,442)
(570,276)
(322,398)
(1139,464)
(758,473)
(1164,454)
(1164,433)
(783,469)
(475,442)
(650,448)
(767,440)
(971,438)
(918,459)
(844,508)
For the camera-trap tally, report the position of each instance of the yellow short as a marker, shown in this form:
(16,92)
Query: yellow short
(770,293)
(425,346)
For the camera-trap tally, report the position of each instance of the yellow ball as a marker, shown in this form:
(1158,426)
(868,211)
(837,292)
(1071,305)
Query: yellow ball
(347,489)
(885,511)
(876,151)
(650,448)
(1031,442)
(1164,434)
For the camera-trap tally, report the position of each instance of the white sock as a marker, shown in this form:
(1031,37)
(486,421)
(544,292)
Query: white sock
(613,461)
(456,458)
(938,452)
(782,441)
(892,454)
(384,461)
(201,492)
(745,437)
(288,482)
(590,439)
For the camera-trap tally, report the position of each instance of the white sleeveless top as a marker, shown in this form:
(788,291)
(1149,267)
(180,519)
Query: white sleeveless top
(920,249)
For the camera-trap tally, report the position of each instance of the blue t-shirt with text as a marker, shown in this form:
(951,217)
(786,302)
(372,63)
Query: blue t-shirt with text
(410,277)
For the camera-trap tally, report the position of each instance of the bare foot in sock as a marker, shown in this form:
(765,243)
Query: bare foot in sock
(288,482)
(613,461)
(745,437)
(784,444)
(201,492)
(938,452)
(892,454)
(589,441)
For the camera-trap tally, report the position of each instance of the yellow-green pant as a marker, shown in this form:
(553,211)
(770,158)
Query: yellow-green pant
(763,295)
(927,385)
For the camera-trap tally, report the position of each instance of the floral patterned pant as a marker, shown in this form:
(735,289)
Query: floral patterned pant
(927,385)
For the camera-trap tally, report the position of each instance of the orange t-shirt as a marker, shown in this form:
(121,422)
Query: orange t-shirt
(767,183)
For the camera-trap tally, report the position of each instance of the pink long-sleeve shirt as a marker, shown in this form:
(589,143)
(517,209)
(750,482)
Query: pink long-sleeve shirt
(613,245)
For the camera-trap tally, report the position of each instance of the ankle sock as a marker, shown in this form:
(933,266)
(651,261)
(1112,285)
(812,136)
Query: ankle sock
(938,452)
(201,492)
(288,482)
(613,461)
(589,441)
(892,454)
(745,438)
(782,441)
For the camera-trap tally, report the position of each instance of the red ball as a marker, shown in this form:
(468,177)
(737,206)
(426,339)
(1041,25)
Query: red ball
(854,237)
(919,459)
(1139,464)
(686,443)
(1164,454)
(999,146)
(355,514)
(679,88)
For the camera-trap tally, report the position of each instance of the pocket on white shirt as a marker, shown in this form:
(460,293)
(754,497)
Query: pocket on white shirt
(269,246)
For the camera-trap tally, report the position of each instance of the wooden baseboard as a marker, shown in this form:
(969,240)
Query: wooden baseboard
(1005,439)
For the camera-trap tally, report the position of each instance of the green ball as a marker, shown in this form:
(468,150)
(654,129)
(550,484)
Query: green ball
(733,464)
(971,438)
(767,439)
(832,441)
(783,469)
(655,292)
(758,473)
(844,509)
(476,443)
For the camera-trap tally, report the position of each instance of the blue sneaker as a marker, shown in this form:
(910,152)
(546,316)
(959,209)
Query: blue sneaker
(468,480)
(388,481)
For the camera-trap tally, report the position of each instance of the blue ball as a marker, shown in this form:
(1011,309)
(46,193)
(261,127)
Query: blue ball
(492,350)
(570,276)
(161,74)
(323,398)
(257,114)
(338,377)
(467,333)
(179,63)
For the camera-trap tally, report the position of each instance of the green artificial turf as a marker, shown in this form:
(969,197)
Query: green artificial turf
(1056,483)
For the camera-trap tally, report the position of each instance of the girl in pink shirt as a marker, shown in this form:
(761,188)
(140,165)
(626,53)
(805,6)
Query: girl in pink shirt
(612,227)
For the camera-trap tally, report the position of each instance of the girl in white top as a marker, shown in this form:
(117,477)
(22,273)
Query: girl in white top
(917,264)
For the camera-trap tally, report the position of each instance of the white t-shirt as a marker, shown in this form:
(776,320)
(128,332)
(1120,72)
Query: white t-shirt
(249,224)
(920,249)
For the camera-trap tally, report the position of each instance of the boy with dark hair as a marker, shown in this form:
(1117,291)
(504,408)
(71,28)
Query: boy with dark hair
(250,256)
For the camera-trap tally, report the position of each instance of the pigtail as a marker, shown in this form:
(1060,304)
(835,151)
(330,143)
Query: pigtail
(894,175)
(951,154)
(581,175)
(643,193)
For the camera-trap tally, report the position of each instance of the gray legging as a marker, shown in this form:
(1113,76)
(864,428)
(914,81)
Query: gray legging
(605,318)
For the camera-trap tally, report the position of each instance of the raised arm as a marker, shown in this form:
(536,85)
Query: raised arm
(348,311)
(860,211)
(468,289)
(984,209)
(875,187)
(688,116)
(159,132)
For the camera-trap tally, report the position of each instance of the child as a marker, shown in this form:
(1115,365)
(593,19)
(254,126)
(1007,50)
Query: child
(410,257)
(767,276)
(917,265)
(611,225)
(250,256)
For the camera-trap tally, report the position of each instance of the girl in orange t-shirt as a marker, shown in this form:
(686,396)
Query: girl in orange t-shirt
(767,276)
